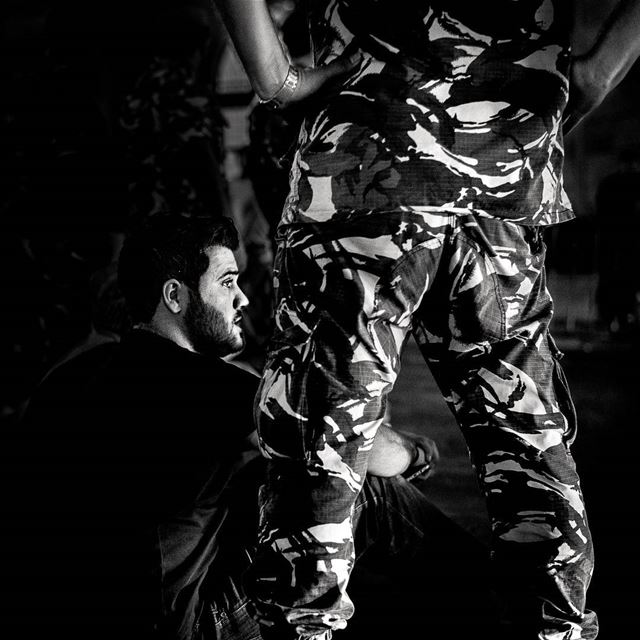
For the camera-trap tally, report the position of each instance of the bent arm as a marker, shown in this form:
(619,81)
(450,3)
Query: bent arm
(595,73)
(618,44)
(267,64)
(257,43)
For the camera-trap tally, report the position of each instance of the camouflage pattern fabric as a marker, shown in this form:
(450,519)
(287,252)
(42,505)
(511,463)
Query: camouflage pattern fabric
(350,291)
(456,105)
(418,192)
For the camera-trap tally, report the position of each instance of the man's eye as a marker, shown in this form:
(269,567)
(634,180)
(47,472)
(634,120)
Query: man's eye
(228,284)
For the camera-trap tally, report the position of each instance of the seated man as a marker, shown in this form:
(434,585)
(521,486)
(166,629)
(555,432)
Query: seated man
(137,509)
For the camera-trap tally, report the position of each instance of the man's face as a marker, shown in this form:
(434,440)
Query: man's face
(214,312)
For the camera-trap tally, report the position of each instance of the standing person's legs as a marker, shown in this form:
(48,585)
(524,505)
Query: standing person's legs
(415,568)
(346,291)
(498,368)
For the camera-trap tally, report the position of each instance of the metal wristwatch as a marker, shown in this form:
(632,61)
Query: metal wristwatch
(286,91)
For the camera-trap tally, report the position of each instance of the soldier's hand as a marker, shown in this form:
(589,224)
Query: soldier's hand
(311,80)
(425,460)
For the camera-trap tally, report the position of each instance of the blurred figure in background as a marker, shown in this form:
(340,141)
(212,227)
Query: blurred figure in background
(171,121)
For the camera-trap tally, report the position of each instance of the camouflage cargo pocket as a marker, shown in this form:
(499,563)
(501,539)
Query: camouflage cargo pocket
(498,291)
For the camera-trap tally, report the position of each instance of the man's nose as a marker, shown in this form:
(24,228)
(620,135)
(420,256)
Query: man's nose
(241,300)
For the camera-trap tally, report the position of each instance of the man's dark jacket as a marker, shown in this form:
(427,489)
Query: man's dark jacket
(122,474)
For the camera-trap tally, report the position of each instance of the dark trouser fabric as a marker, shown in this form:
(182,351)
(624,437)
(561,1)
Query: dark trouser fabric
(417,573)
(472,291)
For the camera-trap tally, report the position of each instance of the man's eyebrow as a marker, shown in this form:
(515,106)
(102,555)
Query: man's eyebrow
(229,272)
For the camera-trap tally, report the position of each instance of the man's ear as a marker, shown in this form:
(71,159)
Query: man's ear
(173,295)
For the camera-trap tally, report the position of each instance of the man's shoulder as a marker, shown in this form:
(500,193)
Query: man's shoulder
(241,372)
(233,380)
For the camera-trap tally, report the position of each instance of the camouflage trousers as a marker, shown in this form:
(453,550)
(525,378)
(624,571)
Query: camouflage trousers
(472,291)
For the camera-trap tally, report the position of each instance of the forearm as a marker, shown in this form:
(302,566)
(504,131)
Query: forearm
(617,46)
(256,41)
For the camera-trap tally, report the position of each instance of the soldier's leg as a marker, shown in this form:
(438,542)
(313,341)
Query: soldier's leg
(346,293)
(498,369)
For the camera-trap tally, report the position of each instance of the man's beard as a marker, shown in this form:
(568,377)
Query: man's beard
(208,331)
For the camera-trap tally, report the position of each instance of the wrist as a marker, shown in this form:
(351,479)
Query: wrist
(421,463)
(286,90)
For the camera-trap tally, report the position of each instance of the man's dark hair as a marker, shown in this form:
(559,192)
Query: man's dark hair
(166,247)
